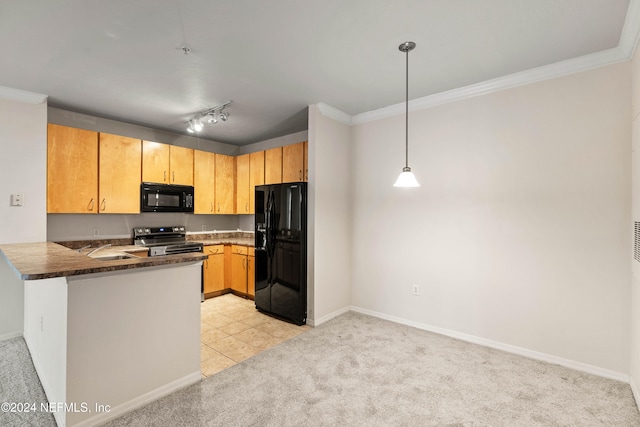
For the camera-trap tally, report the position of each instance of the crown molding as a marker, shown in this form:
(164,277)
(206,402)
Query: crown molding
(631,29)
(624,52)
(533,75)
(334,113)
(22,95)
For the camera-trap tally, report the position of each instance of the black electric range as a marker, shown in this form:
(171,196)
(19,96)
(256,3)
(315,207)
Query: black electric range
(164,240)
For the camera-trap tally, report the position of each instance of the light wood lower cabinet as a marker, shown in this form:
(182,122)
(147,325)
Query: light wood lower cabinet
(251,272)
(213,271)
(229,268)
(239,269)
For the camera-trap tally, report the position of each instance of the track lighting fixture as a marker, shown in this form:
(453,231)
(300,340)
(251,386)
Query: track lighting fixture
(210,116)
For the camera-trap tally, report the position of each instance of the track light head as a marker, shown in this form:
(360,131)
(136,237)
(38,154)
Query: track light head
(210,116)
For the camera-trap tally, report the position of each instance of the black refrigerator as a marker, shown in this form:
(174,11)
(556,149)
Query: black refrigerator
(281,250)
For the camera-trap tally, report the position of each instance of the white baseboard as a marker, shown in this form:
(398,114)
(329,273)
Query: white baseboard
(636,391)
(10,335)
(327,317)
(141,400)
(532,354)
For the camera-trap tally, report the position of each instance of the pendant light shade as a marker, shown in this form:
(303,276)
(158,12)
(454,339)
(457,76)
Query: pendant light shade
(406,178)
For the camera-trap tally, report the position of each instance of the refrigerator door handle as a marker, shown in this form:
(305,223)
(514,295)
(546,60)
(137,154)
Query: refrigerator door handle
(270,243)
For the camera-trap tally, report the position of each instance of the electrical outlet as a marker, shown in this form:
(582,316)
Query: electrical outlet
(204,227)
(416,290)
(96,232)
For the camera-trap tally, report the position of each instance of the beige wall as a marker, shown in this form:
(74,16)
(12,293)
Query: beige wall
(635,216)
(23,169)
(329,217)
(519,235)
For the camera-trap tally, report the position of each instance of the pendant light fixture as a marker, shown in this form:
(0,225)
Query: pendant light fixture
(406,178)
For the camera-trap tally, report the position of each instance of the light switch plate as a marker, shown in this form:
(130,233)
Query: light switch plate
(17,200)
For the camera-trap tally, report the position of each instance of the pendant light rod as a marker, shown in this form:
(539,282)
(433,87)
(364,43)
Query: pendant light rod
(406,178)
(406,47)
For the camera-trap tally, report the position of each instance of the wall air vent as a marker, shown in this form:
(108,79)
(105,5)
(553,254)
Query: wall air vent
(636,241)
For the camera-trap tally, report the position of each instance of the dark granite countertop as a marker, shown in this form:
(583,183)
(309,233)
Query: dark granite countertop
(244,238)
(44,260)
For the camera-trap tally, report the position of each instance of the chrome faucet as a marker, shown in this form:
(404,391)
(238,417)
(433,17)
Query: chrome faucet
(97,249)
(83,248)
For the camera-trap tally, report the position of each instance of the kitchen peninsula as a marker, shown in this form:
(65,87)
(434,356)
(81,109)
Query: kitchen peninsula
(108,335)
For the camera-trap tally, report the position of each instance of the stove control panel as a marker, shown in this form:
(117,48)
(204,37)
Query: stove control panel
(158,231)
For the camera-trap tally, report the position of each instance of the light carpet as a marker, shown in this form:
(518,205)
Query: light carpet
(357,370)
(20,388)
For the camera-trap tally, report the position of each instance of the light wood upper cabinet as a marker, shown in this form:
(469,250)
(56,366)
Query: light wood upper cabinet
(273,166)
(225,184)
(256,176)
(155,162)
(243,173)
(293,162)
(72,170)
(204,167)
(120,174)
(181,165)
(167,164)
(306,161)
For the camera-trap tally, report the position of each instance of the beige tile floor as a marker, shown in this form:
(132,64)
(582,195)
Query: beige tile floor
(232,330)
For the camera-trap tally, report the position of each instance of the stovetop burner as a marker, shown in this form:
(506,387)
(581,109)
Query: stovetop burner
(164,240)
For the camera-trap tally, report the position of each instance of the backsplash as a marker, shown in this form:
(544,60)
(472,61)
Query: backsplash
(65,227)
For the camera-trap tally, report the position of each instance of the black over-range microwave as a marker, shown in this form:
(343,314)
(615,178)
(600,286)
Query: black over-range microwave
(166,198)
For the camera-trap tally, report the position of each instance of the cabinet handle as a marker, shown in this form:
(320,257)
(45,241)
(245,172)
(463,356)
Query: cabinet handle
(218,207)
(103,205)
(165,177)
(246,207)
(244,263)
(306,174)
(300,174)
(206,264)
(211,206)
(174,176)
(91,204)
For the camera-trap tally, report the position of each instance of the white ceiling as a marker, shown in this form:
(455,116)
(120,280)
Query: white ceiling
(121,59)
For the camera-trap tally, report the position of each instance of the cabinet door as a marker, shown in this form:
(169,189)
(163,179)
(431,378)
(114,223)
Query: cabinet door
(273,166)
(204,167)
(214,269)
(120,173)
(256,176)
(251,273)
(181,165)
(72,170)
(239,273)
(293,162)
(306,161)
(225,184)
(155,162)
(242,183)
